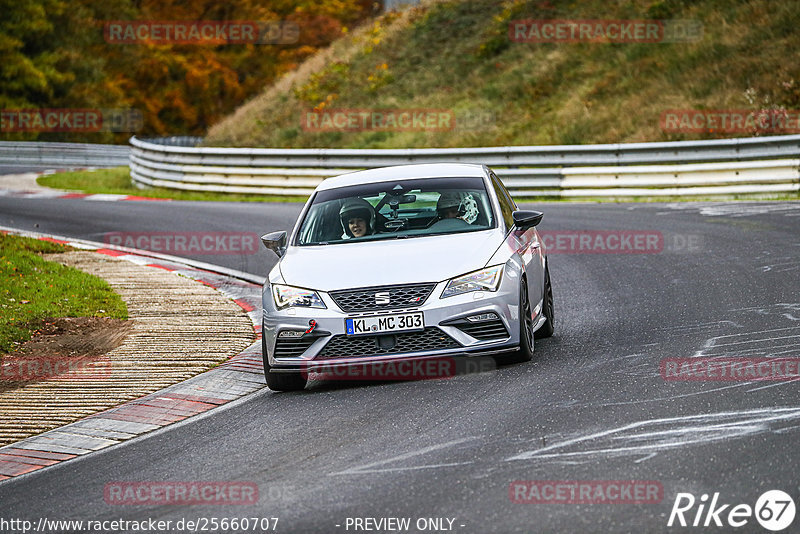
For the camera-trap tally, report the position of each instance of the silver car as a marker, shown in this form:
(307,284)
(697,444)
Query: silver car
(404,264)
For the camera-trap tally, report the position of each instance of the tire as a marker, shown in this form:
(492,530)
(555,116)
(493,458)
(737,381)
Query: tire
(279,381)
(547,308)
(525,351)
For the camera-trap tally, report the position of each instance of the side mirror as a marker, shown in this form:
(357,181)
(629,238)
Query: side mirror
(276,242)
(524,219)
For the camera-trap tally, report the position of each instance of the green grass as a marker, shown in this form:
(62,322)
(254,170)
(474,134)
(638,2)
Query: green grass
(32,289)
(118,181)
(456,55)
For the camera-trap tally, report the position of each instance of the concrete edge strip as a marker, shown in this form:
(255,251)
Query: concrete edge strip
(239,376)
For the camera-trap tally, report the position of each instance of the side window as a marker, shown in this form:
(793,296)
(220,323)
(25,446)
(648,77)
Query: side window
(506,204)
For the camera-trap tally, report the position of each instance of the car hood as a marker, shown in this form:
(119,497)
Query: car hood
(390,261)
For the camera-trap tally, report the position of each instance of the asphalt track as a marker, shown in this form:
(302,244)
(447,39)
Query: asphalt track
(591,406)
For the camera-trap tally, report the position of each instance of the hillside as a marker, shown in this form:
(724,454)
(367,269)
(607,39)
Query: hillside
(457,57)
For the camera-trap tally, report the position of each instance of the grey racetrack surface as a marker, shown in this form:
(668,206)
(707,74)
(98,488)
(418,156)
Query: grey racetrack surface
(591,406)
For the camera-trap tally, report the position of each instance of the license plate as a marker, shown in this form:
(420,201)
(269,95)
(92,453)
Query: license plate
(401,322)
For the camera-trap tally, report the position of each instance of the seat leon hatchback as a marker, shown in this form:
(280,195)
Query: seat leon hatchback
(404,264)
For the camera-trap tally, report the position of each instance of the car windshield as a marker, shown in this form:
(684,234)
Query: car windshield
(392,210)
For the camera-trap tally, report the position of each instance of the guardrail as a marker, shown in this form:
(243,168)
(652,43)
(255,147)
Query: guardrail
(42,156)
(716,167)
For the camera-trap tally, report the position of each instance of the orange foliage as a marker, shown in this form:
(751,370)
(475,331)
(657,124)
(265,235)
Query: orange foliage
(179,88)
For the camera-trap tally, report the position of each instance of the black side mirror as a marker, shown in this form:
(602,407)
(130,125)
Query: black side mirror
(276,242)
(524,219)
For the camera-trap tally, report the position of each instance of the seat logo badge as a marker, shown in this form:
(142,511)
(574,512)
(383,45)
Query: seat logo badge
(312,324)
(382,298)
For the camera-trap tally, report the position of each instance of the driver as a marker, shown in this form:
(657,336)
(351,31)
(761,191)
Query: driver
(450,206)
(357,217)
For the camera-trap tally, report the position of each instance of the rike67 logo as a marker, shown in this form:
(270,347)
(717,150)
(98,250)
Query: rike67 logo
(774,510)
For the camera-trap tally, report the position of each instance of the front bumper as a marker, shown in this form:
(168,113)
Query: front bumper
(446,331)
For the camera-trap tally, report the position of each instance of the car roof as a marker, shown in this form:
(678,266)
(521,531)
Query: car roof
(404,172)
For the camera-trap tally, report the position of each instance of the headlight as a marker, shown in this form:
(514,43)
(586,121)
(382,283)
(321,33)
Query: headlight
(487,279)
(288,296)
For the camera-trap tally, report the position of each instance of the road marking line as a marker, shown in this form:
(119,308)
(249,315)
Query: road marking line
(367,468)
(749,422)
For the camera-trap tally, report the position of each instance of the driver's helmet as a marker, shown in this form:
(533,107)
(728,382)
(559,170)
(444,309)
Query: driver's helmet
(357,207)
(449,200)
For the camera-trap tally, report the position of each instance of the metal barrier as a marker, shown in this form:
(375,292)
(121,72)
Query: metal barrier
(42,156)
(717,167)
(720,167)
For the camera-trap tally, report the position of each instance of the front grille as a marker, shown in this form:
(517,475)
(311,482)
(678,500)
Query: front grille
(363,299)
(292,347)
(431,338)
(493,329)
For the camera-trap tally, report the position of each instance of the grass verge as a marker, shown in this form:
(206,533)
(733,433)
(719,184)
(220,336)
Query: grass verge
(117,181)
(32,289)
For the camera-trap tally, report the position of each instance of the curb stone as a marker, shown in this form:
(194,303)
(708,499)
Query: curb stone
(23,185)
(235,378)
(104,197)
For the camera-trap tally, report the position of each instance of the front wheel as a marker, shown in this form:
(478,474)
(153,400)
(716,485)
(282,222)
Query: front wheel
(525,351)
(279,381)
